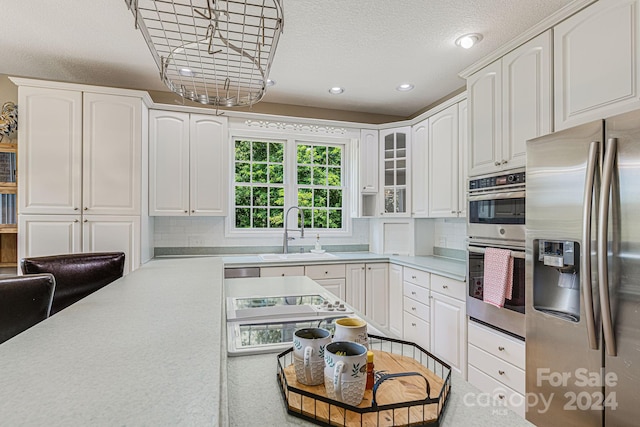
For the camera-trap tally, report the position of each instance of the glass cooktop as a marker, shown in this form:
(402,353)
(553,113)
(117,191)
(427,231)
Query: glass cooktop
(272,307)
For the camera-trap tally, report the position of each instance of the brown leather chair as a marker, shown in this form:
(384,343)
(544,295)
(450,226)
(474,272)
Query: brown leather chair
(24,301)
(77,275)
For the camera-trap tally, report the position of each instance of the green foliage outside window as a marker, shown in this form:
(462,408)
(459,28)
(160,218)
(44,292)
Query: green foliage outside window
(260,191)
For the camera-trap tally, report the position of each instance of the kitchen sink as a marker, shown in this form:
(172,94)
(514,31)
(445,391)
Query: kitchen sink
(305,256)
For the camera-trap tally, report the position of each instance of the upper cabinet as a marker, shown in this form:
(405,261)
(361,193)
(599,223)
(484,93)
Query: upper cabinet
(188,164)
(419,161)
(79,152)
(509,103)
(446,168)
(596,64)
(369,154)
(395,171)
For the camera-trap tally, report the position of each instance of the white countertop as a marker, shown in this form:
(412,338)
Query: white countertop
(448,267)
(149,349)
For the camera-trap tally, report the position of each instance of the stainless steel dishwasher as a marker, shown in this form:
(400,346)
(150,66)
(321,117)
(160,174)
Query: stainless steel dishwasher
(236,273)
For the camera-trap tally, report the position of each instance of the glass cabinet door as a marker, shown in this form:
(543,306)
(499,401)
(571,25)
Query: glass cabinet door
(394,162)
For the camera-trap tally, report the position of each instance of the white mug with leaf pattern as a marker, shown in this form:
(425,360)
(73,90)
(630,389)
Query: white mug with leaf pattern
(345,372)
(308,354)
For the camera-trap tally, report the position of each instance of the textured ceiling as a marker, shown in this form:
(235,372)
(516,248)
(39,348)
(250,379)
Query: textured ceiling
(366,46)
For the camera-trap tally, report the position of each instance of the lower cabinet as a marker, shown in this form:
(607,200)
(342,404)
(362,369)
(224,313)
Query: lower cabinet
(335,286)
(329,276)
(415,316)
(395,300)
(367,290)
(449,322)
(497,366)
(42,235)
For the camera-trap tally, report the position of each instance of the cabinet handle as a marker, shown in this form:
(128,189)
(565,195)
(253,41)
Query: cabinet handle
(86,220)
(75,209)
(501,396)
(501,372)
(445,287)
(413,324)
(453,212)
(497,163)
(504,162)
(75,220)
(413,277)
(500,348)
(413,308)
(413,292)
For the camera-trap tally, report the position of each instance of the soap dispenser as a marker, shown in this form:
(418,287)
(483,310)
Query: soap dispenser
(318,247)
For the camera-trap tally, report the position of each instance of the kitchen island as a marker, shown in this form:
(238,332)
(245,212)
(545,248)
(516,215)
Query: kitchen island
(149,349)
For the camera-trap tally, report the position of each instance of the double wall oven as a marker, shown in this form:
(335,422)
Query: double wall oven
(496,218)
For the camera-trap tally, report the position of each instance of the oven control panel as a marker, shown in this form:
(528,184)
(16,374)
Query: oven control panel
(514,178)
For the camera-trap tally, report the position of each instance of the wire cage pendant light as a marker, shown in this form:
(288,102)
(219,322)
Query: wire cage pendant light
(216,52)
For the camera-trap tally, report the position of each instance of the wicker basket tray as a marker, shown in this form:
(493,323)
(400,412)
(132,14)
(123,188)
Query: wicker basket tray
(412,387)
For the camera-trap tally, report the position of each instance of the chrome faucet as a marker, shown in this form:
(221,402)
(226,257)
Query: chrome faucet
(285,240)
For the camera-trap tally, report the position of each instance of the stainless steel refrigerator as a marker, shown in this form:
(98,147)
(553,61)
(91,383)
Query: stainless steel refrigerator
(583,275)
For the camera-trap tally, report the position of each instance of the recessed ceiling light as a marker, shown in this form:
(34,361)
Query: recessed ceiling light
(405,87)
(270,82)
(186,72)
(468,40)
(336,90)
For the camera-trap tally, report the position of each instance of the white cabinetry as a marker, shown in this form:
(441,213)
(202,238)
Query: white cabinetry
(42,235)
(294,270)
(448,322)
(395,171)
(596,60)
(355,286)
(188,164)
(496,366)
(330,276)
(369,155)
(367,290)
(377,293)
(419,162)
(416,309)
(82,158)
(443,163)
(463,165)
(395,299)
(509,103)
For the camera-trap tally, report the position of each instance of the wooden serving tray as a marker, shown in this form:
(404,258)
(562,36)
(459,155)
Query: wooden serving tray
(399,401)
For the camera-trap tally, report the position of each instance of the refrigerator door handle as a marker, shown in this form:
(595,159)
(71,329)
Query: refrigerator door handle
(603,229)
(587,296)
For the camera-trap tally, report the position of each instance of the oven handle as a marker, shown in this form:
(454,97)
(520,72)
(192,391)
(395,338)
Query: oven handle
(496,196)
(477,250)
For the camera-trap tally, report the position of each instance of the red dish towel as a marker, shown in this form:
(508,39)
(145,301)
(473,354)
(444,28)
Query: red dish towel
(498,276)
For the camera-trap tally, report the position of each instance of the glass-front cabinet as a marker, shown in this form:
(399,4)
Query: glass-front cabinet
(396,171)
(8,227)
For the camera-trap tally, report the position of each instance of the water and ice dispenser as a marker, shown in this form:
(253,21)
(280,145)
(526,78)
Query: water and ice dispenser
(556,278)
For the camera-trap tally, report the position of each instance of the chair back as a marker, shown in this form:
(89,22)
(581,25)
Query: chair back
(77,275)
(24,301)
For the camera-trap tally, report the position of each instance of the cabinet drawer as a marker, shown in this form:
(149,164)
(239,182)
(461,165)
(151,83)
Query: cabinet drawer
(417,277)
(417,309)
(325,271)
(416,292)
(498,344)
(501,394)
(416,330)
(498,369)
(282,271)
(449,287)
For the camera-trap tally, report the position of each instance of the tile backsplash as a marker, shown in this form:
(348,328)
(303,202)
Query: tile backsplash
(450,233)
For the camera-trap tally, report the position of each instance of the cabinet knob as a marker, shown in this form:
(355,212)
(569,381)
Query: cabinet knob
(86,220)
(413,308)
(453,212)
(364,188)
(186,211)
(193,211)
(363,268)
(413,277)
(501,372)
(413,292)
(500,348)
(75,220)
(504,162)
(413,324)
(282,274)
(326,272)
(86,208)
(497,163)
(501,396)
(75,209)
(445,287)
